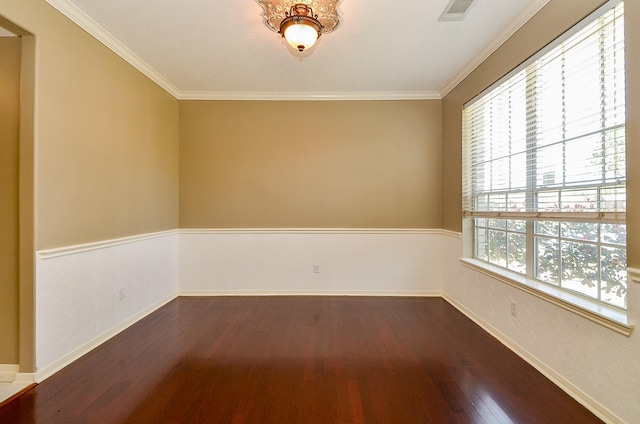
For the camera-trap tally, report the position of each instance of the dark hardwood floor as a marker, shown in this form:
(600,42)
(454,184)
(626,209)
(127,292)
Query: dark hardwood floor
(299,360)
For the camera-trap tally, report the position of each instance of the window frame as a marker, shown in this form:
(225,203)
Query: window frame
(612,316)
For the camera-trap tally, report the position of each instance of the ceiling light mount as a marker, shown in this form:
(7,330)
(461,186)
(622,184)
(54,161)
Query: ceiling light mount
(301,22)
(301,27)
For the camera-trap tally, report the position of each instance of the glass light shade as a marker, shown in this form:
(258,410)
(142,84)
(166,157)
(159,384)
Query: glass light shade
(301,22)
(301,36)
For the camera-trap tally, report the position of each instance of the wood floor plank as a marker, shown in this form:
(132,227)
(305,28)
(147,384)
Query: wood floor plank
(246,360)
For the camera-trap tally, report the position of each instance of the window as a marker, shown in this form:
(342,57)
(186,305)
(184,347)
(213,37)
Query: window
(544,164)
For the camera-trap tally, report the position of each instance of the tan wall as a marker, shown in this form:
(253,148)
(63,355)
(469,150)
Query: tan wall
(106,143)
(632,39)
(10,53)
(322,164)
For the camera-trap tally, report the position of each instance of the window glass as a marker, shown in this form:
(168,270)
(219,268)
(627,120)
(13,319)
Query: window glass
(545,167)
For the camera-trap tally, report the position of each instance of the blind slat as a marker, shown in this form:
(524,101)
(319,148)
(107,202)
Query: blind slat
(551,138)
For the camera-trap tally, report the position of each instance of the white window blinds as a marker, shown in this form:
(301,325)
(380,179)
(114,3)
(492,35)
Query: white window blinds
(549,141)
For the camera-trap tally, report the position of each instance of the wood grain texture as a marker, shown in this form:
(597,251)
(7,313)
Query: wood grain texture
(299,360)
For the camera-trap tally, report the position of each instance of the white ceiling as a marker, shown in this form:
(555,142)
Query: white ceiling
(220,49)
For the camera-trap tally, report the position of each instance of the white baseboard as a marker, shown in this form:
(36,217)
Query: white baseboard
(322,231)
(210,293)
(587,401)
(8,372)
(24,377)
(48,371)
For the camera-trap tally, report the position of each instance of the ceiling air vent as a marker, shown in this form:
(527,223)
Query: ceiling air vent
(455,10)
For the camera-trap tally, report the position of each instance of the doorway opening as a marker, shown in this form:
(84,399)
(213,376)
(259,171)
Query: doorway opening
(17,254)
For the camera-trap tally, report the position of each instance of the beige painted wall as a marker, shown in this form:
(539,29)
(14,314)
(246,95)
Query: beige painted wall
(632,39)
(98,150)
(107,137)
(549,23)
(10,53)
(325,164)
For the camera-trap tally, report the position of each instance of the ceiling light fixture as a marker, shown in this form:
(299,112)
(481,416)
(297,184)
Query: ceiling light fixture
(301,22)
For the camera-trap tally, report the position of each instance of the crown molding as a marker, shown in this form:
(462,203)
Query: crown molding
(293,96)
(72,12)
(516,23)
(99,33)
(89,25)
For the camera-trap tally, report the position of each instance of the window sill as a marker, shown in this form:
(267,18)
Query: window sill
(606,316)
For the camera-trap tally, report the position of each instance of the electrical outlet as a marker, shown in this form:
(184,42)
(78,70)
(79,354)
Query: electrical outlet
(514,308)
(316,269)
(121,294)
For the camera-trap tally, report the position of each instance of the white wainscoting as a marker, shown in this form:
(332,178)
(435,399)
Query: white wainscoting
(78,288)
(282,262)
(597,366)
(86,294)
